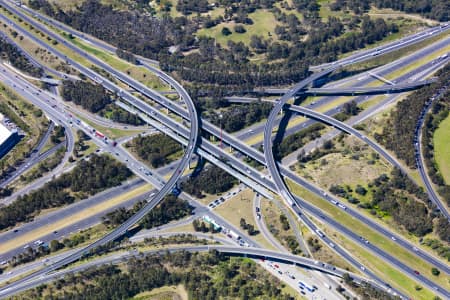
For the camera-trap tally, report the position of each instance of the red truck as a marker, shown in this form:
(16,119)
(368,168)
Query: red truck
(99,134)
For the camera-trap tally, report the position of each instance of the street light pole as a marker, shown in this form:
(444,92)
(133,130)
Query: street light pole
(220,118)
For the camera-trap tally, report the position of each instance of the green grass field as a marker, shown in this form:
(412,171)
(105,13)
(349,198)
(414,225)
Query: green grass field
(264,24)
(442,148)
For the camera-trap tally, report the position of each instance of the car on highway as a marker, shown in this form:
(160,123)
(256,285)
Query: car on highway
(416,272)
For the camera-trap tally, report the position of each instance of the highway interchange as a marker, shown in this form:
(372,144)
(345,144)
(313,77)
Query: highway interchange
(209,148)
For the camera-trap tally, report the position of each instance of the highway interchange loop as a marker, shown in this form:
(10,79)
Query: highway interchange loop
(192,140)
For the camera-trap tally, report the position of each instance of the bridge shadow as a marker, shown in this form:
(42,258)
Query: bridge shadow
(282,127)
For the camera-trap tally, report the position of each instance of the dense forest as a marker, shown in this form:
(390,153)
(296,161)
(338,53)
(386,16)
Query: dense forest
(211,180)
(213,70)
(87,178)
(205,276)
(171,208)
(92,97)
(155,149)
(18,59)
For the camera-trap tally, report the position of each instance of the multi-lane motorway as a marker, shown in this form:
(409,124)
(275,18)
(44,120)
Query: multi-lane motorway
(169,104)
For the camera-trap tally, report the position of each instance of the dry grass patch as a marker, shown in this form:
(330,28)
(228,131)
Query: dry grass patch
(164,293)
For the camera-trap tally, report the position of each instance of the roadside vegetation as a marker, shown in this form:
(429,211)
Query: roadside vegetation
(349,169)
(211,180)
(344,160)
(279,226)
(171,208)
(398,132)
(10,53)
(156,149)
(236,117)
(96,99)
(92,97)
(30,122)
(45,166)
(205,276)
(87,178)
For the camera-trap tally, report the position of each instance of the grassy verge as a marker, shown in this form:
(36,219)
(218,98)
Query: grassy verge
(441,140)
(241,206)
(137,72)
(385,271)
(375,238)
(112,133)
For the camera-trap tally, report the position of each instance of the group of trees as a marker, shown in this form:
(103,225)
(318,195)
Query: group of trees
(347,192)
(407,207)
(297,140)
(118,114)
(128,56)
(236,117)
(18,59)
(205,276)
(92,97)
(398,133)
(128,30)
(155,148)
(366,290)
(249,227)
(348,109)
(171,208)
(201,226)
(438,246)
(32,254)
(87,178)
(211,180)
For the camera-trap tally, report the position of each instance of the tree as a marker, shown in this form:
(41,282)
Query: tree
(360,190)
(55,245)
(239,29)
(226,31)
(435,271)
(243,223)
(347,278)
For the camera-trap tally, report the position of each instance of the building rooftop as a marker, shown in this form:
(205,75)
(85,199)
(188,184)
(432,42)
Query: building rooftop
(5,133)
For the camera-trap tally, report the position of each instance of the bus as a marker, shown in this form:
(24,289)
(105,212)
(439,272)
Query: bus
(306,286)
